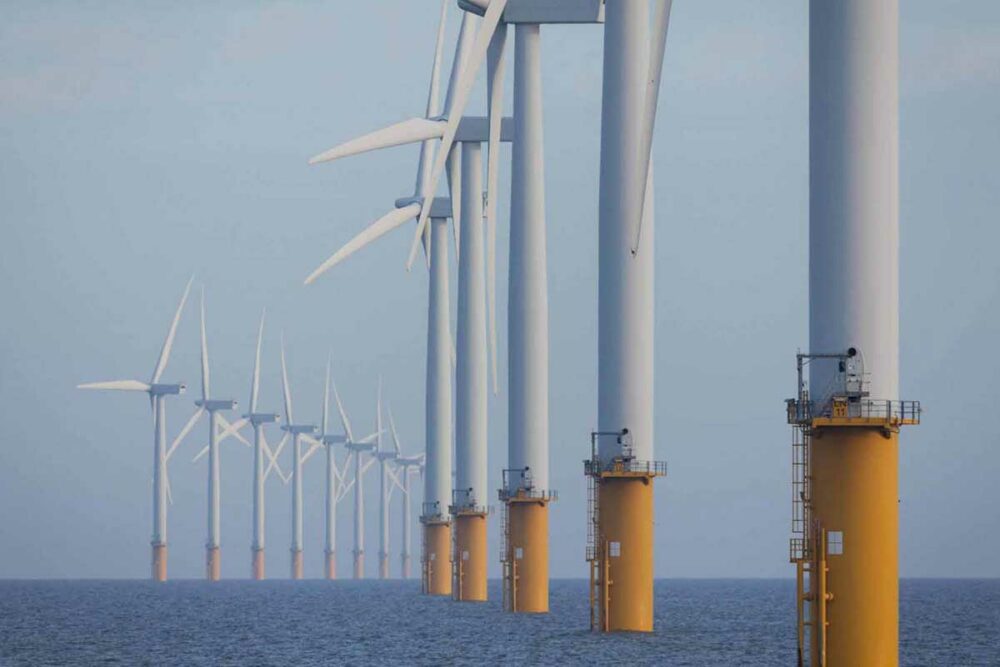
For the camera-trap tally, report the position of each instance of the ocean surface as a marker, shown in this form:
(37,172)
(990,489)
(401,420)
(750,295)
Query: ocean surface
(698,622)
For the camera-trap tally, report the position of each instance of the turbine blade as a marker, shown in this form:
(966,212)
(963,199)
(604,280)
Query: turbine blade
(168,343)
(433,104)
(657,49)
(116,385)
(496,66)
(377,229)
(378,412)
(315,447)
(454,172)
(204,351)
(395,479)
(407,132)
(274,457)
(367,465)
(200,455)
(395,436)
(166,486)
(184,431)
(466,81)
(286,392)
(255,385)
(345,422)
(233,429)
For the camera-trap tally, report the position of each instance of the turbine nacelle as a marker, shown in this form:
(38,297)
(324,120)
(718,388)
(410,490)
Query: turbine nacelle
(542,11)
(440,207)
(333,439)
(167,389)
(213,405)
(257,418)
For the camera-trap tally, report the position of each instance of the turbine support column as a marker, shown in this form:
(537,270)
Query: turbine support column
(159,541)
(469,495)
(525,494)
(332,490)
(257,544)
(296,550)
(846,414)
(213,556)
(435,556)
(621,468)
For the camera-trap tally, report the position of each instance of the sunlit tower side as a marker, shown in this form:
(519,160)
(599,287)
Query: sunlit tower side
(846,414)
(157,392)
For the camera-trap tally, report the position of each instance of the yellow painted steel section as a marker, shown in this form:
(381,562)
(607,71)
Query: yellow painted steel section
(331,565)
(159,562)
(297,564)
(470,550)
(213,564)
(529,554)
(437,558)
(626,528)
(258,564)
(855,500)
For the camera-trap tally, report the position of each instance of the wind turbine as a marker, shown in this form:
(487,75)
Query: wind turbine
(407,465)
(260,449)
(213,562)
(157,392)
(295,431)
(336,489)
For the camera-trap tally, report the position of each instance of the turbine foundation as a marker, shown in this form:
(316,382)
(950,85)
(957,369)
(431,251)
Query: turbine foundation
(526,553)
(296,564)
(257,568)
(383,565)
(469,562)
(159,564)
(436,560)
(331,565)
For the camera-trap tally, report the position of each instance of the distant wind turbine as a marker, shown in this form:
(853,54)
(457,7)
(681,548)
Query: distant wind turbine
(157,392)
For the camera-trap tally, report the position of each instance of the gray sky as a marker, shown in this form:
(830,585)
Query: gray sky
(142,142)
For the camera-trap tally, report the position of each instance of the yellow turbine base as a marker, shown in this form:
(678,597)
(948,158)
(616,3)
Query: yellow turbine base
(470,552)
(297,564)
(855,492)
(626,528)
(258,564)
(529,554)
(159,565)
(213,563)
(331,565)
(437,558)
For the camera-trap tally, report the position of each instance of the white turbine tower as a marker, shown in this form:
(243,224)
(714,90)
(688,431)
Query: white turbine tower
(295,432)
(157,392)
(407,465)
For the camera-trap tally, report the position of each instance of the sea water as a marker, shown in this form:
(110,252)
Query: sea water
(698,622)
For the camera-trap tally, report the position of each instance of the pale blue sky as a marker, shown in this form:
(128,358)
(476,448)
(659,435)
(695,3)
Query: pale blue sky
(142,142)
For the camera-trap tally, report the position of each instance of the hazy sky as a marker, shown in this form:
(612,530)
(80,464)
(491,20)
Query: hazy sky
(143,142)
